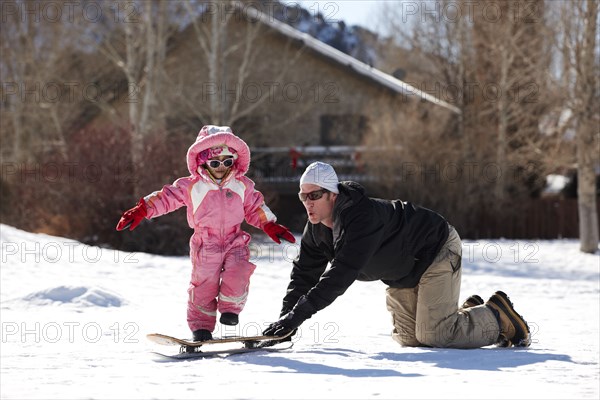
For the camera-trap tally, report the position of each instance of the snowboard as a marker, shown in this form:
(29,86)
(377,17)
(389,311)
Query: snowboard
(191,350)
(248,341)
(217,353)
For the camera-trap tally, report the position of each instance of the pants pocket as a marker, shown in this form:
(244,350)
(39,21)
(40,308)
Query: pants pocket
(455,260)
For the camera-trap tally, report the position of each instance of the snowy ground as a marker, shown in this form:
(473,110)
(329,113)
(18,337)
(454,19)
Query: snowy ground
(74,320)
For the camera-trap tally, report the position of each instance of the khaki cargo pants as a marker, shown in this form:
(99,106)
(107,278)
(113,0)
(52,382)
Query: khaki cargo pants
(428,314)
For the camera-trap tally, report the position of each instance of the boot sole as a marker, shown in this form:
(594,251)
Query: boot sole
(521,338)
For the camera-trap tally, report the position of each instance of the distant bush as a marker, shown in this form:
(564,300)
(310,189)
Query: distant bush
(80,192)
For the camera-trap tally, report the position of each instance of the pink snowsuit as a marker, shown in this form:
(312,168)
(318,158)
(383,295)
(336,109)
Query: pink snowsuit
(218,248)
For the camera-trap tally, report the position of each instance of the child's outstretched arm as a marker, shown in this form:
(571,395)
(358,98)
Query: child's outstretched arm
(169,198)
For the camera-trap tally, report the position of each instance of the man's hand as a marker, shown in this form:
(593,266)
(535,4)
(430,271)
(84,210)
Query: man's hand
(276,231)
(278,328)
(292,320)
(275,330)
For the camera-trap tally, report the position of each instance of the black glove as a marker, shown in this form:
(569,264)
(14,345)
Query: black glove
(292,320)
(279,328)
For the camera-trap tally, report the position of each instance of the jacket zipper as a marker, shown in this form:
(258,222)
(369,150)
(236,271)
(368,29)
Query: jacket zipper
(222,239)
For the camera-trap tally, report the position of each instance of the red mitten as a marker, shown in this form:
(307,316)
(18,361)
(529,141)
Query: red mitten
(132,218)
(276,231)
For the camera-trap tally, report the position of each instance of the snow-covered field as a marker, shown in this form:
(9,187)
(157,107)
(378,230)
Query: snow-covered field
(74,320)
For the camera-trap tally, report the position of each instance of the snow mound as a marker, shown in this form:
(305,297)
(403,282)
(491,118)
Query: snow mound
(78,295)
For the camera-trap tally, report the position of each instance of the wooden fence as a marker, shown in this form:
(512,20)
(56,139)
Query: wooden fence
(545,218)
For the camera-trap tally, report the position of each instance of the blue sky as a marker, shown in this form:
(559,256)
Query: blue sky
(353,12)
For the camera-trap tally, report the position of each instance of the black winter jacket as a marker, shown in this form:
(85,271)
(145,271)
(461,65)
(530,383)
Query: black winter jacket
(372,239)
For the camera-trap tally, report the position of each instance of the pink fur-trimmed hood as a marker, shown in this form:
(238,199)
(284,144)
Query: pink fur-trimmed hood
(211,136)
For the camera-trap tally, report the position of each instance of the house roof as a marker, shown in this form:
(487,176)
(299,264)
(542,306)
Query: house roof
(339,57)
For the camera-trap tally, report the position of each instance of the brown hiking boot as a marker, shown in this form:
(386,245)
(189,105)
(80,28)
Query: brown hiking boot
(514,330)
(472,301)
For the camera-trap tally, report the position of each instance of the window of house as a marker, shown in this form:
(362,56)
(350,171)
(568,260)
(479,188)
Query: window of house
(343,130)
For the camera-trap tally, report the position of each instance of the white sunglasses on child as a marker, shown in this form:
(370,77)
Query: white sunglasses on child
(228,162)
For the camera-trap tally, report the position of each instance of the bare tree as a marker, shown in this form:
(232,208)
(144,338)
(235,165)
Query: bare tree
(141,56)
(35,64)
(581,69)
(495,68)
(211,29)
(511,63)
(227,33)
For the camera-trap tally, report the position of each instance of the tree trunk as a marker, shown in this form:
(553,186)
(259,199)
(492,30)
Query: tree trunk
(502,137)
(587,131)
(216,113)
(131,71)
(586,187)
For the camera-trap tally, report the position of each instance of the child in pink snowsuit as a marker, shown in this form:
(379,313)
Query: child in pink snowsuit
(218,197)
